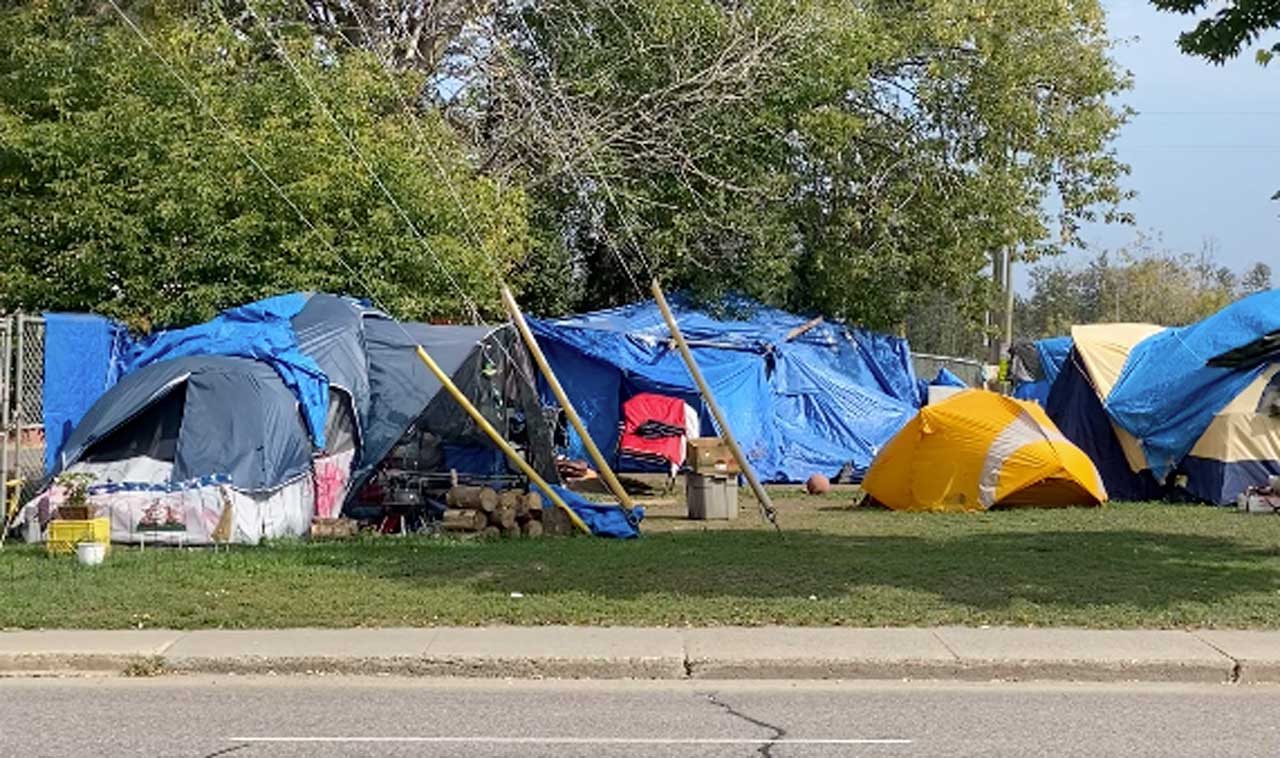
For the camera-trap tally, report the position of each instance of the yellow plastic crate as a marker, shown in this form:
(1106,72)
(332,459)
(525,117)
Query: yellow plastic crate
(65,534)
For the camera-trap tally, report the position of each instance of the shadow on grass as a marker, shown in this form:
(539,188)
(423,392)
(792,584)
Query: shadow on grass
(1068,570)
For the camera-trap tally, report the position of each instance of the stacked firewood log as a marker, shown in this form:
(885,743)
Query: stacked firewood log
(510,513)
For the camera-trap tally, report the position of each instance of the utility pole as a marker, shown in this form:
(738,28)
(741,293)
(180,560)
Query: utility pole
(1008,301)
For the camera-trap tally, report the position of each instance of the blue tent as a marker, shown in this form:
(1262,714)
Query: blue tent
(1168,393)
(821,401)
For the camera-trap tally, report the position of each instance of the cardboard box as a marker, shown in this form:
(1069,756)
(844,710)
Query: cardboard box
(710,455)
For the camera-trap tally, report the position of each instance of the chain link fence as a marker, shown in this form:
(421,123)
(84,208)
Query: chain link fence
(21,407)
(971,370)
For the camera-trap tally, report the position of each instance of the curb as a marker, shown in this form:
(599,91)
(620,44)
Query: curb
(558,668)
(942,654)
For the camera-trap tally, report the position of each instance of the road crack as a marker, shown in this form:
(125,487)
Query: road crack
(766,749)
(227,750)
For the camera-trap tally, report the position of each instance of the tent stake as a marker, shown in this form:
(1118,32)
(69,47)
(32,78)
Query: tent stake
(610,479)
(497,439)
(766,504)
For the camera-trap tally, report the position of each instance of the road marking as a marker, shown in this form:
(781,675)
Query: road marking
(576,740)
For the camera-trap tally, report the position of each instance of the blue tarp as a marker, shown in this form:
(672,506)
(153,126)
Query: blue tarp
(814,404)
(261,331)
(82,359)
(1053,353)
(1166,396)
(603,520)
(947,378)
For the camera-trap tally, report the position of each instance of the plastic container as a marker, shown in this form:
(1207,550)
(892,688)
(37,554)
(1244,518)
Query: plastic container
(65,534)
(91,553)
(711,497)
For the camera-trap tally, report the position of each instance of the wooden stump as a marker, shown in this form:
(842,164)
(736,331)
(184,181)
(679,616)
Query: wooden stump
(510,499)
(459,520)
(476,498)
(531,528)
(555,523)
(503,517)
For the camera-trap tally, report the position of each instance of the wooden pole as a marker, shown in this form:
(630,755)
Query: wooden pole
(606,472)
(497,439)
(802,329)
(766,504)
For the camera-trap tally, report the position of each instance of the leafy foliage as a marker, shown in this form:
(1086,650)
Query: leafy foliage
(125,194)
(853,159)
(1233,26)
(857,159)
(1139,283)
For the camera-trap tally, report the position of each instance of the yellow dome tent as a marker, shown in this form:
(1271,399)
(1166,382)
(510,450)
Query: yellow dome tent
(978,450)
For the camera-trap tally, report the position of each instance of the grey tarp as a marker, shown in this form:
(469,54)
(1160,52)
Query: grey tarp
(238,420)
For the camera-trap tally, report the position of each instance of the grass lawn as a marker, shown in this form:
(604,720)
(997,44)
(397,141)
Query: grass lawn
(1125,565)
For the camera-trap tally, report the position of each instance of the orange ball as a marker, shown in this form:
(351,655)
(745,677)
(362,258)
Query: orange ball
(817,485)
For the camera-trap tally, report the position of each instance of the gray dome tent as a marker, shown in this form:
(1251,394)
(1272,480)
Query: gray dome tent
(181,438)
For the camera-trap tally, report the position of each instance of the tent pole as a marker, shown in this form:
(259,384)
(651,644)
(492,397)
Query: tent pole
(766,504)
(610,479)
(497,439)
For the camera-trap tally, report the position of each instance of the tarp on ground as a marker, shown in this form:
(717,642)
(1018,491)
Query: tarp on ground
(817,403)
(1167,394)
(83,358)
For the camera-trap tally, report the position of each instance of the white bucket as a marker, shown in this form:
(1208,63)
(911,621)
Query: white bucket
(91,553)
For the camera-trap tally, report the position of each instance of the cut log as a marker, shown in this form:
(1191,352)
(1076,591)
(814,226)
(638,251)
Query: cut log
(491,533)
(531,529)
(533,502)
(459,520)
(510,532)
(503,517)
(476,498)
(555,523)
(332,528)
(510,499)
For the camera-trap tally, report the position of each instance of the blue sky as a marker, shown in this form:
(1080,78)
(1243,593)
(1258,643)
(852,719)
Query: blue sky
(1204,147)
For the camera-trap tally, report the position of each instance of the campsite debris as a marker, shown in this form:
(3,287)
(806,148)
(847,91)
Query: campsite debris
(482,498)
(573,469)
(333,528)
(515,513)
(817,485)
(1261,499)
(710,455)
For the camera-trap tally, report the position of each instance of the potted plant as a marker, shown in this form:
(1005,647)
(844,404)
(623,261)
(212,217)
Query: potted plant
(75,504)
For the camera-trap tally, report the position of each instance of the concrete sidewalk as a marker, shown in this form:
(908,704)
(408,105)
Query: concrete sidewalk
(947,653)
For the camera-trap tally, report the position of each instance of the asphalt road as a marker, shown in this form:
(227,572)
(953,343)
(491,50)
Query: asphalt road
(325,717)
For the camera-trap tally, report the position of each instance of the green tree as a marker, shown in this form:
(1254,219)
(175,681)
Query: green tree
(1256,279)
(122,193)
(1232,26)
(1138,283)
(854,159)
